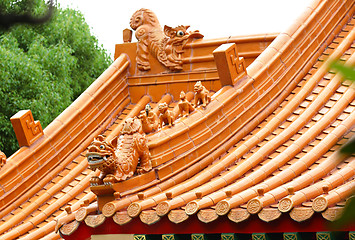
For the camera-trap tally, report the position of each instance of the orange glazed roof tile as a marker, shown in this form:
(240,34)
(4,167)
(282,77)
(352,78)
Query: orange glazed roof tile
(265,148)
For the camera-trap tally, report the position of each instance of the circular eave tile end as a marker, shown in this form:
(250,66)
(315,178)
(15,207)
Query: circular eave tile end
(254,206)
(134,209)
(163,208)
(320,204)
(109,209)
(285,205)
(222,208)
(191,208)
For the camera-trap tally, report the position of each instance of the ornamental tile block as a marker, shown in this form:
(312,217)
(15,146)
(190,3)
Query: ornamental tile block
(324,236)
(27,130)
(228,236)
(351,235)
(291,236)
(229,65)
(259,236)
(168,237)
(198,236)
(140,237)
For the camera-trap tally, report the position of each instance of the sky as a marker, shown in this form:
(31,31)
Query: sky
(214,19)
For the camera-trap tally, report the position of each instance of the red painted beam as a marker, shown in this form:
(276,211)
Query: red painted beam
(222,225)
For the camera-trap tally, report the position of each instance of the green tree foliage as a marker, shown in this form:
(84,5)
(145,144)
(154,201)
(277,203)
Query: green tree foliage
(44,67)
(347,149)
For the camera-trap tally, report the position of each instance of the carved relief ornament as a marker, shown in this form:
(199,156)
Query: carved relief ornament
(149,217)
(207,215)
(121,218)
(69,228)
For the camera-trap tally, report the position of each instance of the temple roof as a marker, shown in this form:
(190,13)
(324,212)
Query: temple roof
(265,148)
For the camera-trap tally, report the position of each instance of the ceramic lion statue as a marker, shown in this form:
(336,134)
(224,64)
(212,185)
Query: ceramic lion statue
(201,95)
(118,159)
(185,107)
(166,117)
(165,45)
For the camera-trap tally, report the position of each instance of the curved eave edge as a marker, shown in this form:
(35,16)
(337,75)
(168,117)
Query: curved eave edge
(316,222)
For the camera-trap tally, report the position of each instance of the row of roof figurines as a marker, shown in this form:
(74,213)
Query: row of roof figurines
(112,159)
(128,153)
(151,122)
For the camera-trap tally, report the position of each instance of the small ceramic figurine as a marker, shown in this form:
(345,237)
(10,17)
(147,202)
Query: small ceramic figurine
(117,160)
(201,95)
(185,107)
(166,117)
(2,159)
(150,121)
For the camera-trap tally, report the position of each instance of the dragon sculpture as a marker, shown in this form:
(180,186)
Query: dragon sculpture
(166,45)
(118,159)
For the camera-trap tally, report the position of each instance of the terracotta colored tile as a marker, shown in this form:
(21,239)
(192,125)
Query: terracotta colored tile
(177,130)
(175,89)
(216,122)
(177,165)
(11,182)
(233,110)
(225,134)
(45,155)
(164,172)
(137,92)
(200,133)
(120,97)
(164,78)
(157,91)
(190,158)
(155,150)
(182,144)
(204,149)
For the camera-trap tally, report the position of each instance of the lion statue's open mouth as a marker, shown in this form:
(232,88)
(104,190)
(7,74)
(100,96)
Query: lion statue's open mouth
(95,159)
